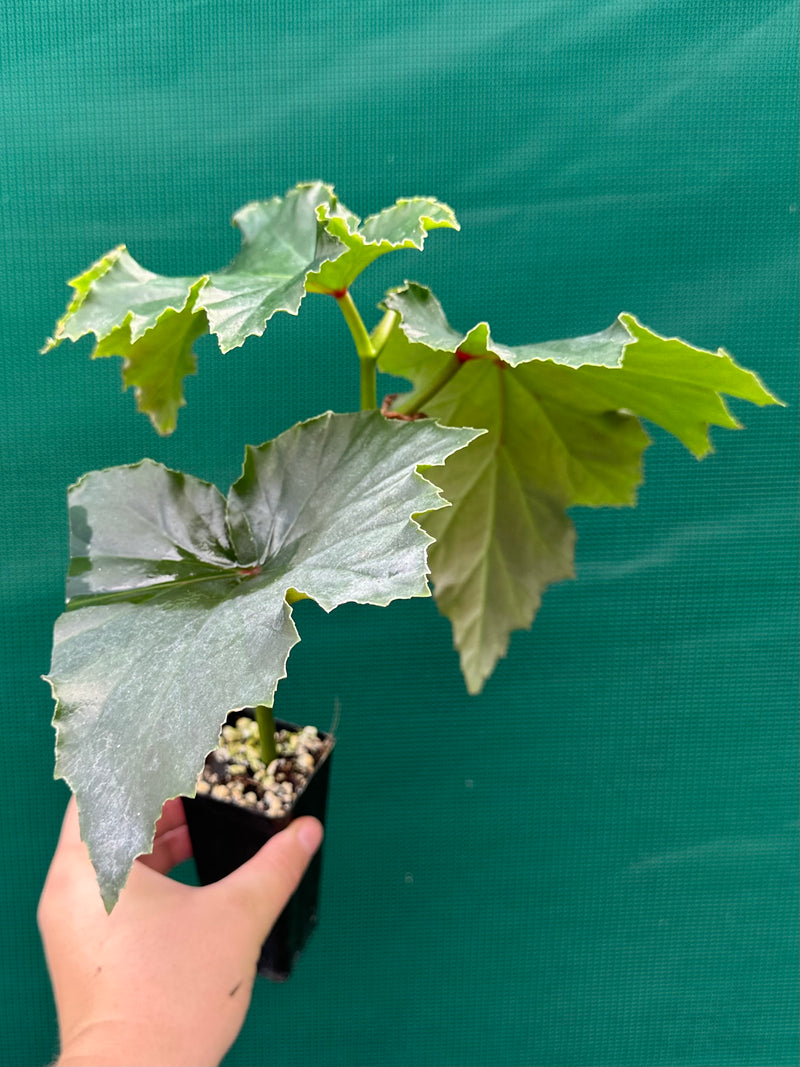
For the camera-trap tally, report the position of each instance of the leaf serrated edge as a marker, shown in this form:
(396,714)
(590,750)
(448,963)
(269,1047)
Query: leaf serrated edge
(82,286)
(298,189)
(766,398)
(427,223)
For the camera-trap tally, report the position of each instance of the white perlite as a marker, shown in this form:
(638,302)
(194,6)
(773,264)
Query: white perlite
(235,772)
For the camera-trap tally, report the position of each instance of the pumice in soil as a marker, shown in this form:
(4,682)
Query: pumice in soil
(234,771)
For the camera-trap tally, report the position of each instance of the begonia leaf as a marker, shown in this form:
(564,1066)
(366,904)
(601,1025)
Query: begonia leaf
(563,421)
(179,601)
(283,242)
(152,321)
(403,225)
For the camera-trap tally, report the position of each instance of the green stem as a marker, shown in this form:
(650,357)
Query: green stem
(355,324)
(266,734)
(380,334)
(369,388)
(367,354)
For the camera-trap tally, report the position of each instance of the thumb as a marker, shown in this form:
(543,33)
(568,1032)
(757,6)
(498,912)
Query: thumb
(260,888)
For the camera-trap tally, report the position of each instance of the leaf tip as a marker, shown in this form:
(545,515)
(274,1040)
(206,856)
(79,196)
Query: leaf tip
(763,395)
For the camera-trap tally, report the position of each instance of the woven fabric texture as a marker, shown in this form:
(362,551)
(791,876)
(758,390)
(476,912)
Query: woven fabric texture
(594,862)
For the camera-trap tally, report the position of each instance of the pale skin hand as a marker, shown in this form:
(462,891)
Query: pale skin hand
(166,978)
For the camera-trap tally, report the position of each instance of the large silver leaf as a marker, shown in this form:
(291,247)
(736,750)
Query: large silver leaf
(183,598)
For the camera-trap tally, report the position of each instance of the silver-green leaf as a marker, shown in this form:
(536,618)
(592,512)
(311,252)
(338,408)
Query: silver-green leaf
(152,321)
(180,601)
(403,225)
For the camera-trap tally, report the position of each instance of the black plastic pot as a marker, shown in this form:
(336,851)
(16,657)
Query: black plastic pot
(226,835)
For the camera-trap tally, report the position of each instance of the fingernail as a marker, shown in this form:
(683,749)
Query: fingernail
(309,834)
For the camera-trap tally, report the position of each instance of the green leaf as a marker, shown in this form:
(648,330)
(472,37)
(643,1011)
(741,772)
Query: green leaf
(507,536)
(147,319)
(152,321)
(138,529)
(677,386)
(403,225)
(423,321)
(180,602)
(156,364)
(283,242)
(117,291)
(563,429)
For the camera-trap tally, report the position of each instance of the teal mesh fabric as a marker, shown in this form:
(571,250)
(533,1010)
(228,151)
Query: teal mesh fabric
(594,862)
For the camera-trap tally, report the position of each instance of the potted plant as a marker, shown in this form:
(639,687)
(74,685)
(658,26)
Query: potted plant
(181,598)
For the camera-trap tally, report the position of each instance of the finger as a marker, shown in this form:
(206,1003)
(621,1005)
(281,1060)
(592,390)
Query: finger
(172,816)
(261,887)
(170,848)
(71,875)
(70,849)
(70,835)
(171,844)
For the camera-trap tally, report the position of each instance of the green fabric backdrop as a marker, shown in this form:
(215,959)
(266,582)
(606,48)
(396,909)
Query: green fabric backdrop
(620,889)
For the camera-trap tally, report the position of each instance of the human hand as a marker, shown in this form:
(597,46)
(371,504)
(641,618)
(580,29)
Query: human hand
(167,977)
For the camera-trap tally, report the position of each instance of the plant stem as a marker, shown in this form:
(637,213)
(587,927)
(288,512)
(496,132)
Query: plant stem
(380,334)
(355,323)
(367,354)
(369,389)
(266,733)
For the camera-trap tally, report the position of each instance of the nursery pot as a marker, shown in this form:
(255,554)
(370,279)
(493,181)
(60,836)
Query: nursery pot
(225,835)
